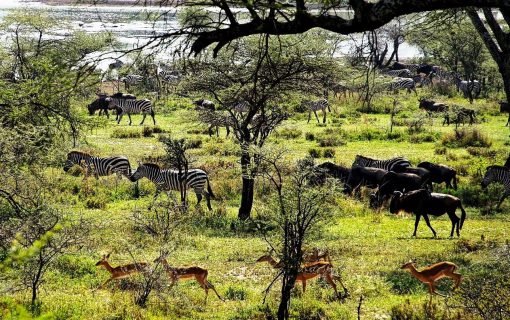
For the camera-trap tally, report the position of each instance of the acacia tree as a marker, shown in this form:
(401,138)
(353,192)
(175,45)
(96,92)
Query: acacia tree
(249,80)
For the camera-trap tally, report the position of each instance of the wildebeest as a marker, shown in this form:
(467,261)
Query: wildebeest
(440,173)
(204,104)
(505,107)
(432,106)
(425,69)
(394,181)
(460,115)
(364,176)
(99,104)
(329,169)
(422,203)
(422,172)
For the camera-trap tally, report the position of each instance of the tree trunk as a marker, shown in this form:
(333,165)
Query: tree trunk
(246,198)
(504,69)
(287,286)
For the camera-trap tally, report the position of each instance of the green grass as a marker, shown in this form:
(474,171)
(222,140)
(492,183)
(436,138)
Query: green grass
(367,247)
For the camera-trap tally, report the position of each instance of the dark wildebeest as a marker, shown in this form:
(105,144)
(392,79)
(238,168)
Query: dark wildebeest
(422,203)
(422,172)
(204,104)
(394,181)
(363,176)
(460,115)
(505,107)
(329,169)
(99,104)
(440,173)
(426,69)
(432,106)
(507,162)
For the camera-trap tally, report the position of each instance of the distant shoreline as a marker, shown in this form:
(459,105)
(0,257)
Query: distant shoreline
(140,3)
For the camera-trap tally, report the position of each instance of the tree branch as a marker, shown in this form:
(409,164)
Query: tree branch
(484,33)
(367,16)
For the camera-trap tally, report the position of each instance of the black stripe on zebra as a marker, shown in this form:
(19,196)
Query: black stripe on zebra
(168,179)
(403,83)
(132,79)
(393,164)
(399,66)
(404,73)
(468,86)
(125,106)
(99,166)
(314,106)
(498,174)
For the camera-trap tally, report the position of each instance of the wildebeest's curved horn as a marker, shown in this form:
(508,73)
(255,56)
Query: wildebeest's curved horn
(397,194)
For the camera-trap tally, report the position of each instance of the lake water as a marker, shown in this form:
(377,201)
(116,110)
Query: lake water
(132,25)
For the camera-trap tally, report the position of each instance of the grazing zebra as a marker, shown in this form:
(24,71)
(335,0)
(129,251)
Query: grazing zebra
(168,179)
(99,166)
(340,89)
(402,83)
(314,106)
(130,106)
(404,73)
(400,66)
(207,113)
(131,79)
(459,116)
(393,164)
(169,76)
(498,174)
(468,86)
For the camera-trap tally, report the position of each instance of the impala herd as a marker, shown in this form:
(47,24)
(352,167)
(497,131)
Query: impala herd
(315,264)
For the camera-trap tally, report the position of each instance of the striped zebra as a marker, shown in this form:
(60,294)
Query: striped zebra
(393,164)
(171,77)
(498,174)
(131,106)
(314,106)
(402,83)
(131,79)
(241,107)
(168,179)
(468,86)
(98,166)
(215,119)
(403,73)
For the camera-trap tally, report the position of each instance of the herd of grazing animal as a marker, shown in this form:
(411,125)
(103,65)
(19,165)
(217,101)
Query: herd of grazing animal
(406,188)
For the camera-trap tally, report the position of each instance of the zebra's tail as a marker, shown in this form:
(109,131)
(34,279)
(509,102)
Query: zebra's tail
(463,216)
(209,190)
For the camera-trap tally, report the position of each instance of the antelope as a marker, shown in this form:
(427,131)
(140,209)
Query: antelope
(432,273)
(120,272)
(313,256)
(198,273)
(312,270)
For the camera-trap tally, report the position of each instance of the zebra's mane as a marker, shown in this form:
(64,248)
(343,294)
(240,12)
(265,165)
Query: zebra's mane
(79,153)
(372,159)
(152,165)
(496,167)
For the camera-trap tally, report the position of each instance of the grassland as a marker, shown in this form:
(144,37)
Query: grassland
(367,247)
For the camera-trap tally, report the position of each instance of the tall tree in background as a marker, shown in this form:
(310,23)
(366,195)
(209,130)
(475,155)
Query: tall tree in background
(497,39)
(250,80)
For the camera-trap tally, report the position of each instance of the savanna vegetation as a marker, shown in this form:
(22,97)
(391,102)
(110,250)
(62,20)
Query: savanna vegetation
(59,229)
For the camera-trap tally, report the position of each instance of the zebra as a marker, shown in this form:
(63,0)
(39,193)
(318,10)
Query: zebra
(99,166)
(468,86)
(207,113)
(131,79)
(393,164)
(130,106)
(340,89)
(402,83)
(498,174)
(241,107)
(169,179)
(404,73)
(314,106)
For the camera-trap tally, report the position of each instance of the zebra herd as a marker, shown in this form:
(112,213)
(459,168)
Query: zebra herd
(394,179)
(122,104)
(164,179)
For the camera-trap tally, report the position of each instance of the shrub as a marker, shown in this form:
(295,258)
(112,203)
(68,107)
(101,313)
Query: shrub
(440,150)
(194,143)
(314,153)
(309,136)
(236,293)
(329,153)
(423,137)
(97,202)
(330,141)
(147,132)
(122,133)
(481,152)
(466,138)
(289,133)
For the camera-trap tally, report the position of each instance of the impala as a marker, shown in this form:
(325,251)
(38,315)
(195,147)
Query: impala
(120,272)
(198,273)
(432,273)
(312,270)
